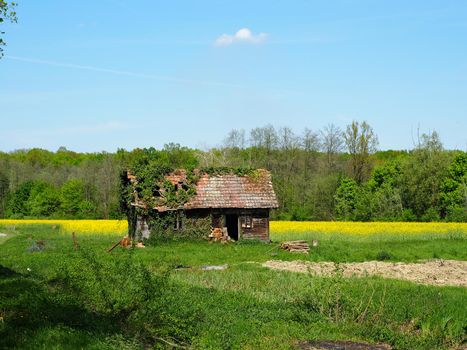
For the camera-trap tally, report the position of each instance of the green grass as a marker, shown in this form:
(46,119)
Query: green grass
(133,299)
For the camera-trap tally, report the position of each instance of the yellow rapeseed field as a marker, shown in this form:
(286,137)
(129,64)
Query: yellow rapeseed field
(367,228)
(277,227)
(82,226)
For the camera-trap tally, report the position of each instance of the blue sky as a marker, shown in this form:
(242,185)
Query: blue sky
(103,74)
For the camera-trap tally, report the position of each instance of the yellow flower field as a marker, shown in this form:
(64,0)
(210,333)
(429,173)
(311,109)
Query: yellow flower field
(367,228)
(119,227)
(277,227)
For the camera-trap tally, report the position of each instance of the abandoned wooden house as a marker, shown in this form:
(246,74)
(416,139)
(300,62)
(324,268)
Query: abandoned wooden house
(237,204)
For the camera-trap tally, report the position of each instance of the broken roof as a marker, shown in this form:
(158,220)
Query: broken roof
(228,191)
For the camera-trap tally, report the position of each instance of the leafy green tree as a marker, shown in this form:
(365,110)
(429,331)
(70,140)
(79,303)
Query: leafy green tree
(72,197)
(44,200)
(454,190)
(7,12)
(361,141)
(177,156)
(87,209)
(422,176)
(4,190)
(381,204)
(388,174)
(346,199)
(385,201)
(18,201)
(321,196)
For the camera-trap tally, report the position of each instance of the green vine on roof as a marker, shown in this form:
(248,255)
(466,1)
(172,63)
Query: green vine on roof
(219,171)
(153,189)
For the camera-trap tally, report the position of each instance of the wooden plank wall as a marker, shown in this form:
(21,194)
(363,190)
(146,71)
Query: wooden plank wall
(259,228)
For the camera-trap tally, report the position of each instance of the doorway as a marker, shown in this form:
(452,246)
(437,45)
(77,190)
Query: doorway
(231,222)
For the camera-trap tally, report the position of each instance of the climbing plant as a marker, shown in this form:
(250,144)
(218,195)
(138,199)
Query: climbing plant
(145,186)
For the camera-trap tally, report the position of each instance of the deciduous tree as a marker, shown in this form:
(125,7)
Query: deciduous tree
(7,12)
(361,141)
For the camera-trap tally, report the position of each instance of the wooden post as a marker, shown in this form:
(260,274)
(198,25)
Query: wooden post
(75,242)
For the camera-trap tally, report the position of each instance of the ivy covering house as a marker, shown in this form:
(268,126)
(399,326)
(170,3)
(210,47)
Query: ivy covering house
(193,202)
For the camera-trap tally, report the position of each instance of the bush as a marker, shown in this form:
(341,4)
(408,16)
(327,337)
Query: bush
(431,214)
(408,215)
(383,255)
(456,214)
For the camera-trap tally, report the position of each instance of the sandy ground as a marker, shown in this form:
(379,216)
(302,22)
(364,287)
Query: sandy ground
(434,272)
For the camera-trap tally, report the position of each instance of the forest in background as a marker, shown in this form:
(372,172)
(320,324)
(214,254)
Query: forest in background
(330,174)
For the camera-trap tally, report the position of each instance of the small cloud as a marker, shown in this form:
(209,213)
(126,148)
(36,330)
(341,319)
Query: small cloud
(243,35)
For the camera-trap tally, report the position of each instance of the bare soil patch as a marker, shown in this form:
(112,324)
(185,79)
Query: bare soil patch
(434,272)
(340,345)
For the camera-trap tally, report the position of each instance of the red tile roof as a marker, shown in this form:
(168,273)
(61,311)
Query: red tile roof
(233,191)
(227,191)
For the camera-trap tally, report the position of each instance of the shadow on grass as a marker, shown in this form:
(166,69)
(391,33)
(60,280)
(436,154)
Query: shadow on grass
(29,308)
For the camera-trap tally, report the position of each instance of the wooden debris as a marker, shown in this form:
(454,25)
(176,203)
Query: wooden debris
(113,247)
(219,235)
(125,243)
(296,246)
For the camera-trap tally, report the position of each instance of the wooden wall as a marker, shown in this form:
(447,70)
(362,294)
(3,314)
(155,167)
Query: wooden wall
(255,225)
(252,223)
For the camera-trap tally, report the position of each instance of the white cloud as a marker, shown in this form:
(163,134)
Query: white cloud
(243,35)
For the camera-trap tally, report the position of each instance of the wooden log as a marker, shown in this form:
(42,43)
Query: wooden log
(299,246)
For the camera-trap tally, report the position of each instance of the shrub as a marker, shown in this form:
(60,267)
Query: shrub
(383,255)
(457,214)
(431,214)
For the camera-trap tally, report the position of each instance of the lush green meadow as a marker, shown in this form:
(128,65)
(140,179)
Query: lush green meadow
(159,296)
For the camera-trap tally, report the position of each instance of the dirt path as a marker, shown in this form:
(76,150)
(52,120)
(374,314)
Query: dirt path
(434,272)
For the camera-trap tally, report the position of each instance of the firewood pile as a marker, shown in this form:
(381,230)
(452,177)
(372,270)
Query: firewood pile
(296,246)
(219,235)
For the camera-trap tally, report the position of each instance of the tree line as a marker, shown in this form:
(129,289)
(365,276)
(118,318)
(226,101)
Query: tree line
(328,174)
